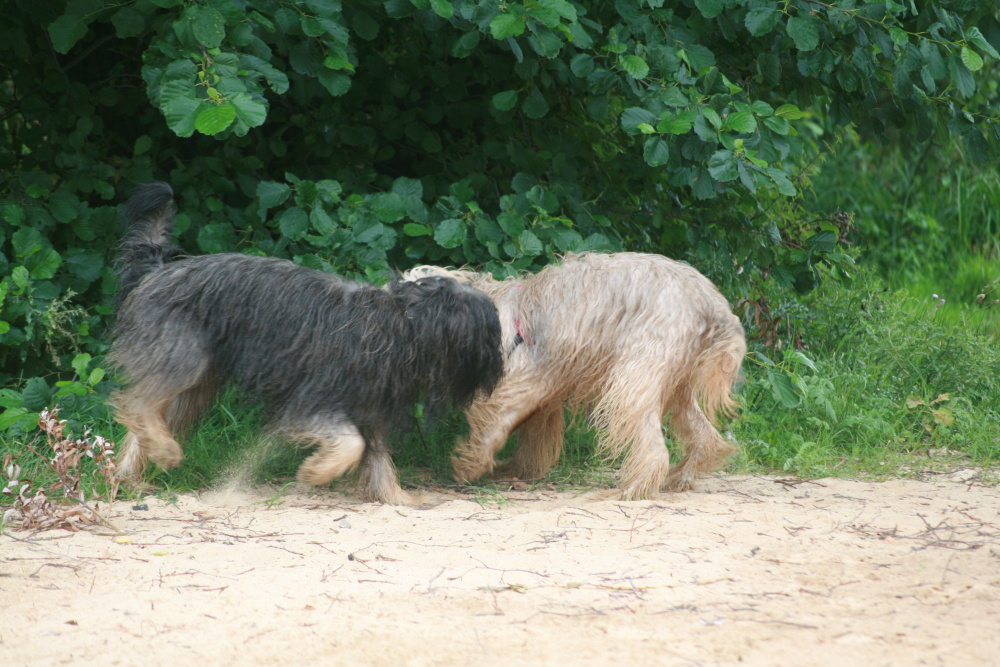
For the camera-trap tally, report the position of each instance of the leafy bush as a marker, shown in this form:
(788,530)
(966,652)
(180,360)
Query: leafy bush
(364,136)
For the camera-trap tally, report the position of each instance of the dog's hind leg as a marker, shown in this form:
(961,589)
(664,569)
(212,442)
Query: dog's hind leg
(644,470)
(629,422)
(539,443)
(704,448)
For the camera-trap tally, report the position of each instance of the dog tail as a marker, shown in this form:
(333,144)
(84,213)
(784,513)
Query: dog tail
(718,369)
(149,215)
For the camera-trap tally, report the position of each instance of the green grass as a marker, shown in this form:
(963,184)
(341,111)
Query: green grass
(890,373)
(893,376)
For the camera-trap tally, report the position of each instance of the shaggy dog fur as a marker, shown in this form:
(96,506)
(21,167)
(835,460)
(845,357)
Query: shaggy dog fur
(633,337)
(335,363)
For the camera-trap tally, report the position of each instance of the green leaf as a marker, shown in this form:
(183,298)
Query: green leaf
(804,32)
(722,166)
(742,122)
(789,112)
(505,100)
(635,116)
(673,97)
(66,31)
(12,214)
(336,83)
(408,188)
(783,388)
(9,398)
(388,206)
(64,206)
(465,45)
(142,144)
(674,126)
(800,358)
(215,118)
(207,24)
(293,223)
(709,8)
(898,35)
(269,195)
(511,223)
(216,237)
(12,415)
(488,231)
(26,241)
(80,363)
(635,66)
(248,109)
(655,151)
(962,77)
(761,20)
(413,229)
(777,125)
(824,241)
(180,107)
(36,394)
(95,376)
(450,233)
(529,243)
(43,264)
(506,25)
(971,59)
(712,116)
(582,64)
(443,8)
(781,182)
(975,36)
(535,106)
(128,22)
(321,221)
(563,8)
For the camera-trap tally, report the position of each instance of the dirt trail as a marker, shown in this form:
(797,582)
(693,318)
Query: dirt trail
(748,570)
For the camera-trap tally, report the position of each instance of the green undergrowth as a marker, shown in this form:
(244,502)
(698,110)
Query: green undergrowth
(886,377)
(882,382)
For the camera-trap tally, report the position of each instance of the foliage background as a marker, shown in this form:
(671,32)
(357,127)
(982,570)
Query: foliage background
(765,142)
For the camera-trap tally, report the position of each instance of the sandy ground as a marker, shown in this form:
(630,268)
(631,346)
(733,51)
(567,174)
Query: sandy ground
(748,570)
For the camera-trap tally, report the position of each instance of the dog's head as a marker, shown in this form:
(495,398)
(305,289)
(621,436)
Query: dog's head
(457,333)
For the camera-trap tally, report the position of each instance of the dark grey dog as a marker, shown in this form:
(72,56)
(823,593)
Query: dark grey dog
(335,363)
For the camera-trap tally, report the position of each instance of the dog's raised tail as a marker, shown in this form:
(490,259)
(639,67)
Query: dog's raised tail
(149,216)
(718,369)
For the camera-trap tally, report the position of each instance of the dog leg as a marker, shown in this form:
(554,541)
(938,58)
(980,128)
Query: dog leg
(490,424)
(341,448)
(539,443)
(148,437)
(131,459)
(644,470)
(704,448)
(187,407)
(379,480)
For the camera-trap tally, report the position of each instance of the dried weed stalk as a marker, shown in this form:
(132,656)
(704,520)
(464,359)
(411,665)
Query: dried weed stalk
(64,503)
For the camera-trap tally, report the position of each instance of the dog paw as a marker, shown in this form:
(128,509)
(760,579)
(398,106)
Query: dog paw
(168,456)
(467,471)
(680,483)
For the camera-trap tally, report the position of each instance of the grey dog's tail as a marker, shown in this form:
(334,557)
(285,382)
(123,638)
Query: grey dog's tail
(149,215)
